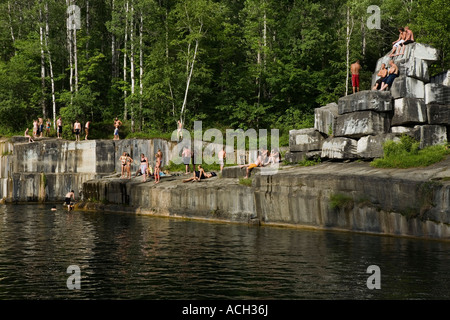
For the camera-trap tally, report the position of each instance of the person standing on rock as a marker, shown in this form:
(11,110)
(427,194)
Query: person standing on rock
(144,166)
(128,163)
(86,129)
(186,157)
(48,126)
(382,74)
(222,155)
(355,68)
(77,130)
(393,72)
(157,166)
(59,128)
(123,163)
(117,124)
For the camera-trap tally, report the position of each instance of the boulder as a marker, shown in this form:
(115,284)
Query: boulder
(441,78)
(339,148)
(409,111)
(430,135)
(324,118)
(415,68)
(372,146)
(438,114)
(437,93)
(305,140)
(380,101)
(399,130)
(407,87)
(362,123)
(296,157)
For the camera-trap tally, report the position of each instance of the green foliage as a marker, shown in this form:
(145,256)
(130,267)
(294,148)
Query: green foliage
(340,201)
(406,154)
(309,163)
(245,182)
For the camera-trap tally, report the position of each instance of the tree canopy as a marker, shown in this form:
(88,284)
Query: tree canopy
(230,63)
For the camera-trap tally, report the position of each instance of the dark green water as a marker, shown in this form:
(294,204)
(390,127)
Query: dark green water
(140,257)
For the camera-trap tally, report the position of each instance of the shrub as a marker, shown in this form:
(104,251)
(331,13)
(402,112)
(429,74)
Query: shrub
(341,201)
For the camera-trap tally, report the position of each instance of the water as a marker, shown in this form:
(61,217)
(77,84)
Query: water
(123,256)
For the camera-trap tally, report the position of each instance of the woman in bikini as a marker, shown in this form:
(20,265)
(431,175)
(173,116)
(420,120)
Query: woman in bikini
(129,162)
(157,167)
(123,161)
(144,166)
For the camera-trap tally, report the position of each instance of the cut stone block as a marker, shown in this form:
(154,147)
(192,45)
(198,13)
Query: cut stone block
(362,123)
(438,114)
(441,78)
(430,135)
(416,68)
(437,93)
(296,157)
(407,87)
(409,111)
(324,118)
(305,140)
(339,148)
(372,146)
(399,130)
(380,101)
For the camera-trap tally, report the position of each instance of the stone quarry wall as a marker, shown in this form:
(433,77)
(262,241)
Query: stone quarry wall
(47,169)
(358,124)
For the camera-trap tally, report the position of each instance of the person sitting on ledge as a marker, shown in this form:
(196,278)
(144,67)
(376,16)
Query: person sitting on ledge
(409,38)
(382,74)
(396,44)
(258,163)
(199,175)
(393,73)
(28,136)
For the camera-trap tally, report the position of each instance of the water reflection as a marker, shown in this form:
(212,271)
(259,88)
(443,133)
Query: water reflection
(140,257)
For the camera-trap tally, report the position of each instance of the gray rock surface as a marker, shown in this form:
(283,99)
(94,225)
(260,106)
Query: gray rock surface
(305,140)
(409,111)
(437,93)
(438,114)
(325,117)
(362,123)
(340,148)
(380,101)
(407,87)
(370,147)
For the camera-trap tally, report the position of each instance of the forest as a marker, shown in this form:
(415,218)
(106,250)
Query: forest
(229,63)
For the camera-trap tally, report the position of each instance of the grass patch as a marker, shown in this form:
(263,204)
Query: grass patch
(309,163)
(173,167)
(341,201)
(245,182)
(406,154)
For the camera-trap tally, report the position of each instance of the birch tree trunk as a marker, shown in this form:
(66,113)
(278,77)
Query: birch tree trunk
(75,57)
(41,42)
(87,29)
(11,28)
(141,68)
(132,67)
(69,48)
(350,24)
(125,57)
(113,47)
(52,81)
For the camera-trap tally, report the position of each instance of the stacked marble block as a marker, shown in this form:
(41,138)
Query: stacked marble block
(359,124)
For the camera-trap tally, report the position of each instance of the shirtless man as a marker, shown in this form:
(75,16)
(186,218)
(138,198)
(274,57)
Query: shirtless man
(179,130)
(77,130)
(67,201)
(59,128)
(222,155)
(354,68)
(396,44)
(86,129)
(409,38)
(117,124)
(382,74)
(393,72)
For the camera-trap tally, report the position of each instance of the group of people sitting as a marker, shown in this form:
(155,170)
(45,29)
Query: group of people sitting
(263,159)
(387,76)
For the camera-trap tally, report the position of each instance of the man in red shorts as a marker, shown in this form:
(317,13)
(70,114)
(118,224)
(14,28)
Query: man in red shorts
(354,68)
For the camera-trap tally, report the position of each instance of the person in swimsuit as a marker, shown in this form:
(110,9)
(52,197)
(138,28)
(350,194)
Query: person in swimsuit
(382,74)
(117,124)
(86,129)
(222,155)
(48,126)
(77,130)
(179,130)
(59,130)
(128,165)
(409,38)
(354,68)
(144,166)
(41,127)
(258,163)
(35,128)
(186,157)
(28,136)
(199,175)
(67,201)
(157,167)
(396,44)
(393,72)
(123,163)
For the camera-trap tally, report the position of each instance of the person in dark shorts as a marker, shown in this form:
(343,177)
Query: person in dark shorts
(68,200)
(382,74)
(393,72)
(409,38)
